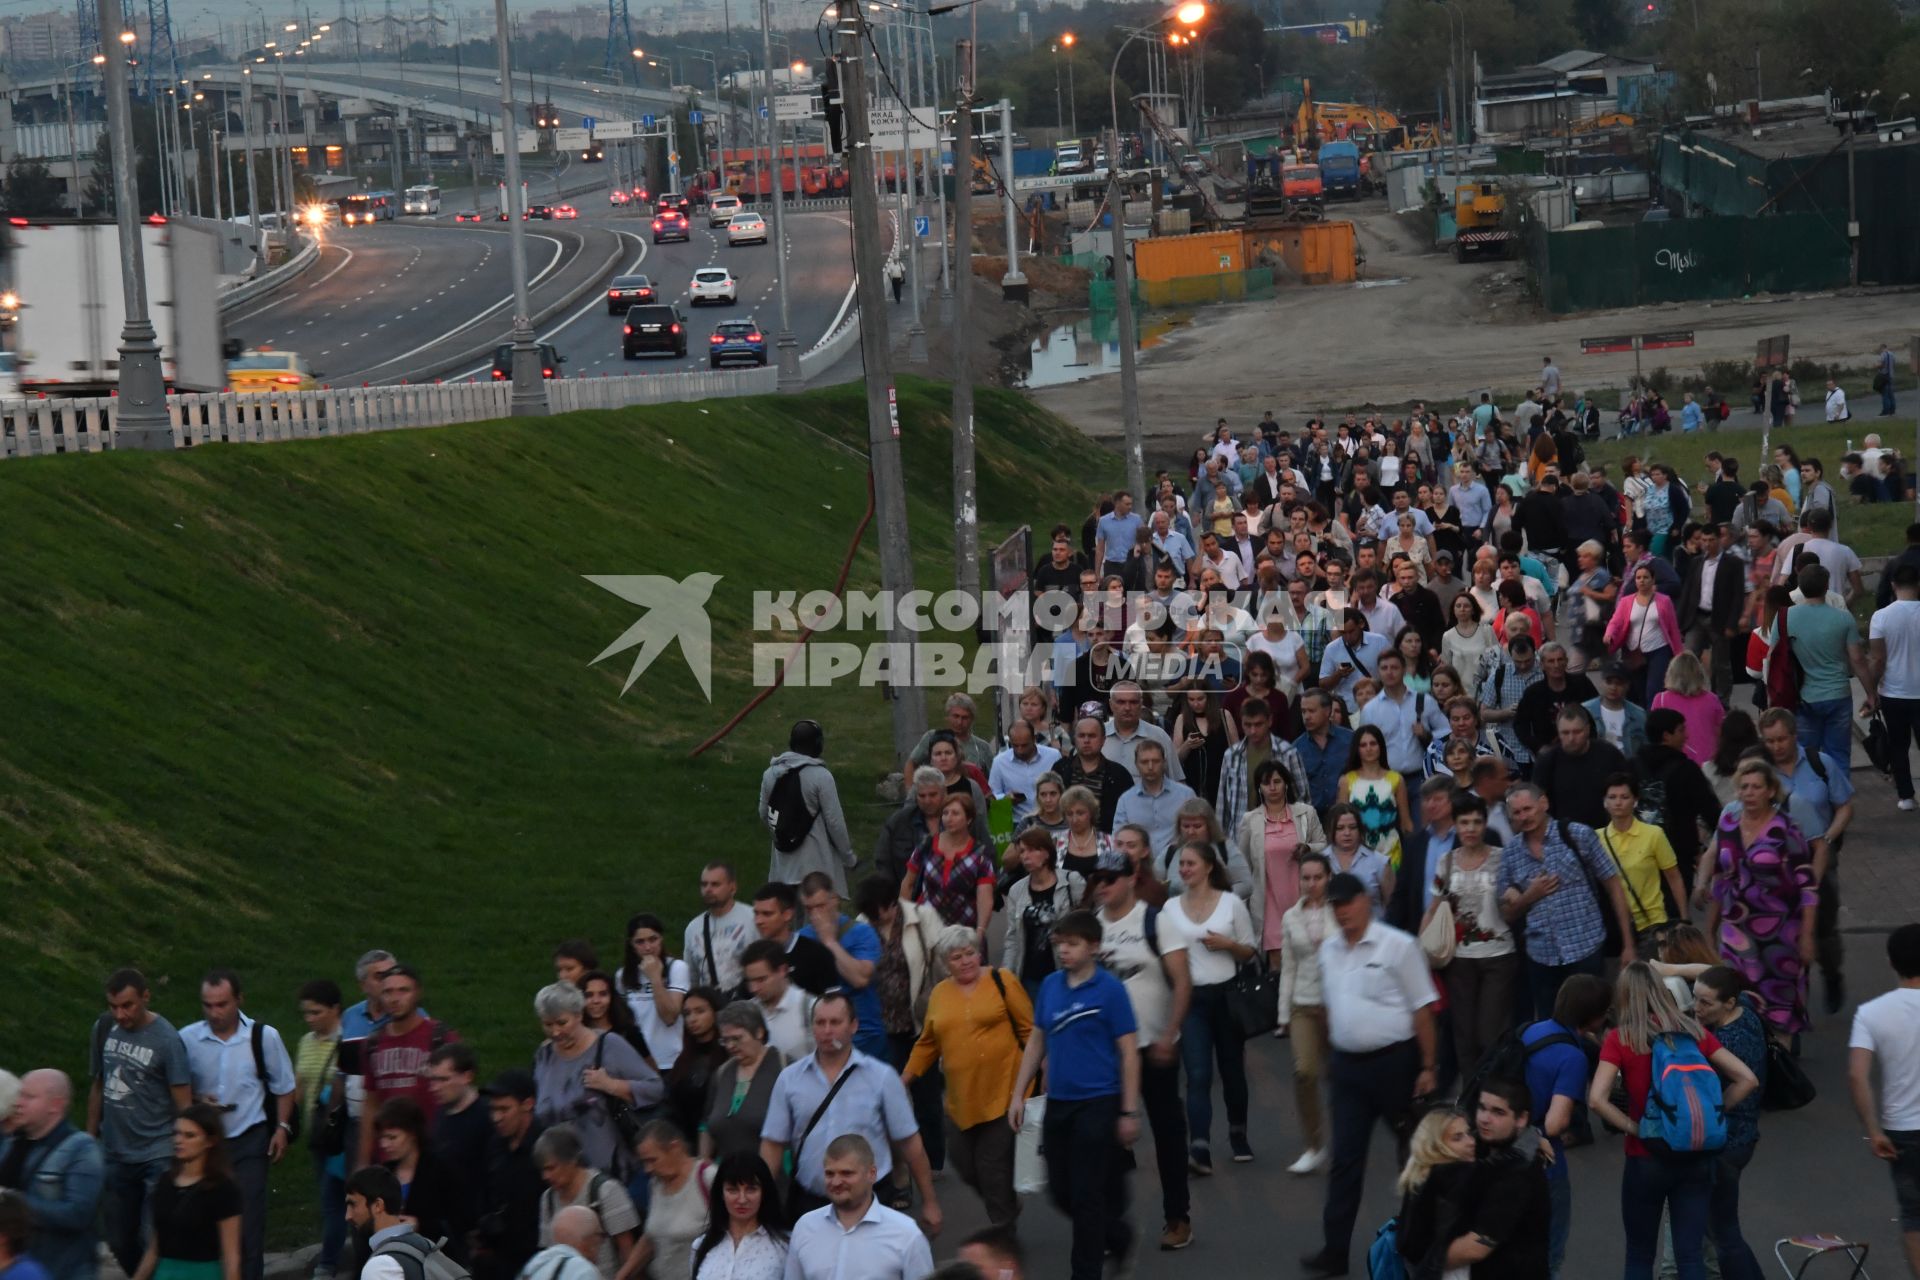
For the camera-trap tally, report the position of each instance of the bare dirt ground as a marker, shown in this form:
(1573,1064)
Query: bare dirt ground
(1421,324)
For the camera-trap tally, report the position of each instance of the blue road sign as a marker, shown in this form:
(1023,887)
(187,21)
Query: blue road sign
(763,111)
(693,117)
(647,121)
(586,122)
(922,225)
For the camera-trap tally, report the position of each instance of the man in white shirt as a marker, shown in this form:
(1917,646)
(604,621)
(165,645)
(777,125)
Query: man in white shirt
(855,1237)
(1893,643)
(1126,731)
(1843,566)
(1836,403)
(1351,656)
(1214,556)
(1408,720)
(1886,1030)
(1384,618)
(787,1009)
(716,937)
(1016,769)
(1378,993)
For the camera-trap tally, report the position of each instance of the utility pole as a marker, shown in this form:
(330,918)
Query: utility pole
(910,239)
(883,415)
(253,182)
(786,348)
(529,388)
(1853,213)
(966,522)
(934,178)
(141,421)
(1013,285)
(1123,316)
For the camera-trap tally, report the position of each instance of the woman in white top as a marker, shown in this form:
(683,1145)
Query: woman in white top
(1307,924)
(1481,975)
(1483,572)
(1462,644)
(1212,923)
(655,986)
(677,1192)
(740,1241)
(1282,644)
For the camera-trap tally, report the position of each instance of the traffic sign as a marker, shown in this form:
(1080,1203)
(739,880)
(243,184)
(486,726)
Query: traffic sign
(922,225)
(793,106)
(586,122)
(673,158)
(616,130)
(647,121)
(572,139)
(693,117)
(887,124)
(763,111)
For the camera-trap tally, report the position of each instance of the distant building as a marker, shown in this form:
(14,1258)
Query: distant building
(1563,92)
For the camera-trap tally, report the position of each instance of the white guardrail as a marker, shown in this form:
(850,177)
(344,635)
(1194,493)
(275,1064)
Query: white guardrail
(36,428)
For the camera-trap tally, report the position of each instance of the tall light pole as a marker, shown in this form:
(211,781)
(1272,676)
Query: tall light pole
(1067,41)
(784,344)
(529,387)
(1190,14)
(141,421)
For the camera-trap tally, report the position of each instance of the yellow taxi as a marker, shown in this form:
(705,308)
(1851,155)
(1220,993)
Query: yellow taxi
(264,370)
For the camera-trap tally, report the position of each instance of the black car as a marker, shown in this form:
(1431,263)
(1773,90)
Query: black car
(627,291)
(541,211)
(655,329)
(550,361)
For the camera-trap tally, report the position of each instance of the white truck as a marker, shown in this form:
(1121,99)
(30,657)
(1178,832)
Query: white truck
(72,307)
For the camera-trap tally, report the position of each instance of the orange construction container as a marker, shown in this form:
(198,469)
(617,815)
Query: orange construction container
(1175,257)
(1303,252)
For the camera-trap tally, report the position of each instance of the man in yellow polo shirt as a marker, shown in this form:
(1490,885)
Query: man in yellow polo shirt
(1644,856)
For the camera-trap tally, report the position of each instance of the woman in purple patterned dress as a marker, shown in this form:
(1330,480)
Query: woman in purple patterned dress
(1764,897)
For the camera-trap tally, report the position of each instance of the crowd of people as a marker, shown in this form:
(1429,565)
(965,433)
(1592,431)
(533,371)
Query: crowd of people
(1499,795)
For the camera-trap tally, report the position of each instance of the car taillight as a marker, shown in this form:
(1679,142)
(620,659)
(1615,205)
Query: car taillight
(287,378)
(716,339)
(546,373)
(753,337)
(675,329)
(626,328)
(656,224)
(613,293)
(498,374)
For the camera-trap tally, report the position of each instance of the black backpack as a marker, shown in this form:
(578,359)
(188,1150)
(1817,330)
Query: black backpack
(1507,1059)
(787,812)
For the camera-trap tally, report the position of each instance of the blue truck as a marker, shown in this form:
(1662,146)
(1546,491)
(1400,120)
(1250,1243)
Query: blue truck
(1340,170)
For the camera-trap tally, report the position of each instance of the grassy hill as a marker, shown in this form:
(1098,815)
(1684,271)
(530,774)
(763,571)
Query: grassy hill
(271,706)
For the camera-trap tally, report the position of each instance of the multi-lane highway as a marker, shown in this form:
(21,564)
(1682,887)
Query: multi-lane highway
(416,299)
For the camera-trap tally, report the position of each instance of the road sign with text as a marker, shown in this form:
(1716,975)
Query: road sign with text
(529,141)
(570,139)
(616,130)
(793,106)
(886,124)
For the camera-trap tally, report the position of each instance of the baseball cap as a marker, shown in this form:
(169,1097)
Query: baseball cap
(1109,862)
(512,1084)
(1345,887)
(1616,671)
(1438,556)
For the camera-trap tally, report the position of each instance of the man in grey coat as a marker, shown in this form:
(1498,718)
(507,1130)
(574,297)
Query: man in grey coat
(824,846)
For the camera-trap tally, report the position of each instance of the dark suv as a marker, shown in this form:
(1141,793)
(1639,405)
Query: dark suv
(627,291)
(657,329)
(550,361)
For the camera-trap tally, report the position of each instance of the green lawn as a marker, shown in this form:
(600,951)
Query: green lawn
(269,706)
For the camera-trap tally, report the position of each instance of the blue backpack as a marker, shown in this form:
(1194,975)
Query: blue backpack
(1383,1255)
(1684,1107)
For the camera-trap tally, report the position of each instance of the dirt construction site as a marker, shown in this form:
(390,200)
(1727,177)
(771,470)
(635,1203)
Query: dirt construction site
(1418,324)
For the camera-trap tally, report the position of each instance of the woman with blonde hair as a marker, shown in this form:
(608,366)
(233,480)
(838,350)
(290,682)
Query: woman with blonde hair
(1082,843)
(1037,710)
(1439,1167)
(1655,1180)
(1194,822)
(1687,693)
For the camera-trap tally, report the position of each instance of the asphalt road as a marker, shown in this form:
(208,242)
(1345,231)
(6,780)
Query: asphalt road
(1812,1172)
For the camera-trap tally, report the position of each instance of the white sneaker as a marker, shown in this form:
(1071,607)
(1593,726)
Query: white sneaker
(1309,1162)
(1906,806)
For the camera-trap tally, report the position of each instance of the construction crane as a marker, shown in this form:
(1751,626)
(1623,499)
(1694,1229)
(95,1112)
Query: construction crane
(1175,145)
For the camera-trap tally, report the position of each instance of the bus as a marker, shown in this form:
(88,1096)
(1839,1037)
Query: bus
(422,200)
(368,206)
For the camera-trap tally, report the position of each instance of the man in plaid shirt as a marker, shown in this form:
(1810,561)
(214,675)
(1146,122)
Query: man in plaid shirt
(1261,743)
(1313,624)
(1504,678)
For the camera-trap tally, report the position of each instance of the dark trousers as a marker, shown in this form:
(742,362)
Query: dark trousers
(1160,1097)
(124,1207)
(1736,1257)
(1903,730)
(983,1157)
(1367,1087)
(1716,654)
(247,1153)
(1543,980)
(1087,1178)
(1683,1185)
(1826,921)
(1207,1036)
(926,1093)
(333,1213)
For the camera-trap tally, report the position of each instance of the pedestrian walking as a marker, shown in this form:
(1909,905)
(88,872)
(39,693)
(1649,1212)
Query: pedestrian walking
(198,1207)
(1886,1034)
(140,1082)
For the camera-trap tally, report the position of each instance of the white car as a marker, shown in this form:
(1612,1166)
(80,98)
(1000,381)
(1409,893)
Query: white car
(746,228)
(713,284)
(720,209)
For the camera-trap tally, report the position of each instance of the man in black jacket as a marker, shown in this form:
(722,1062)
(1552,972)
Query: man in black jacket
(1540,516)
(1910,554)
(1574,771)
(510,1186)
(1534,720)
(1503,1230)
(1711,597)
(1675,794)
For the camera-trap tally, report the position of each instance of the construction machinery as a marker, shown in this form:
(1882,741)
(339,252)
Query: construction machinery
(1182,153)
(1318,122)
(1281,186)
(1479,220)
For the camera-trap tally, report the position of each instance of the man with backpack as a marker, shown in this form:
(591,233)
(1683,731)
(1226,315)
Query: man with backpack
(57,1169)
(801,806)
(1159,988)
(1552,1056)
(396,1249)
(395,1057)
(1555,883)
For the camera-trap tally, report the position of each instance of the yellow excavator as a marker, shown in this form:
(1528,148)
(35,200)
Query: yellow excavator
(1317,122)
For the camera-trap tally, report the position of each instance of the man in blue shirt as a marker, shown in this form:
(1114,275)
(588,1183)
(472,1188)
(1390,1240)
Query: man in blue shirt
(855,948)
(1352,657)
(58,1171)
(1323,747)
(1557,1071)
(1113,536)
(1084,1032)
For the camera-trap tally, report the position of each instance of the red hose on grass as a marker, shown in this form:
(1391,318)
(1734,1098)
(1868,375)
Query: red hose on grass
(780,677)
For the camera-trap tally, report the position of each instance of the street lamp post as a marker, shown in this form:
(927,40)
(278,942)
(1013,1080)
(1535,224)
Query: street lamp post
(1067,41)
(785,346)
(141,421)
(529,387)
(1189,14)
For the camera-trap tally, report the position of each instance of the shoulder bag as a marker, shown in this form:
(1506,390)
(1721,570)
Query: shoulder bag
(1253,998)
(1440,934)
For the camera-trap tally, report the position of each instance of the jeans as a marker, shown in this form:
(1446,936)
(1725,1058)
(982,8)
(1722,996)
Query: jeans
(1903,730)
(1160,1098)
(1209,1034)
(1736,1257)
(129,1184)
(247,1153)
(1683,1185)
(928,1111)
(1087,1178)
(1649,680)
(1886,399)
(1827,725)
(1367,1087)
(1559,1221)
(333,1213)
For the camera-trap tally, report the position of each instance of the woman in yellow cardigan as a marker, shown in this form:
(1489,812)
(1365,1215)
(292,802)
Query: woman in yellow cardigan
(978,1021)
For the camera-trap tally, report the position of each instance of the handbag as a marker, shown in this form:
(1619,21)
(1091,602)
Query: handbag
(627,1119)
(1253,998)
(1440,934)
(327,1129)
(1788,1087)
(1879,743)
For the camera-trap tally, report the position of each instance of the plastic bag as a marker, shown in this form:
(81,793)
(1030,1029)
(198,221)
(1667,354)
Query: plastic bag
(1029,1153)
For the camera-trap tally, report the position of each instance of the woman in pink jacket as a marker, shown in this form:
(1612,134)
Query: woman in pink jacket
(1645,632)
